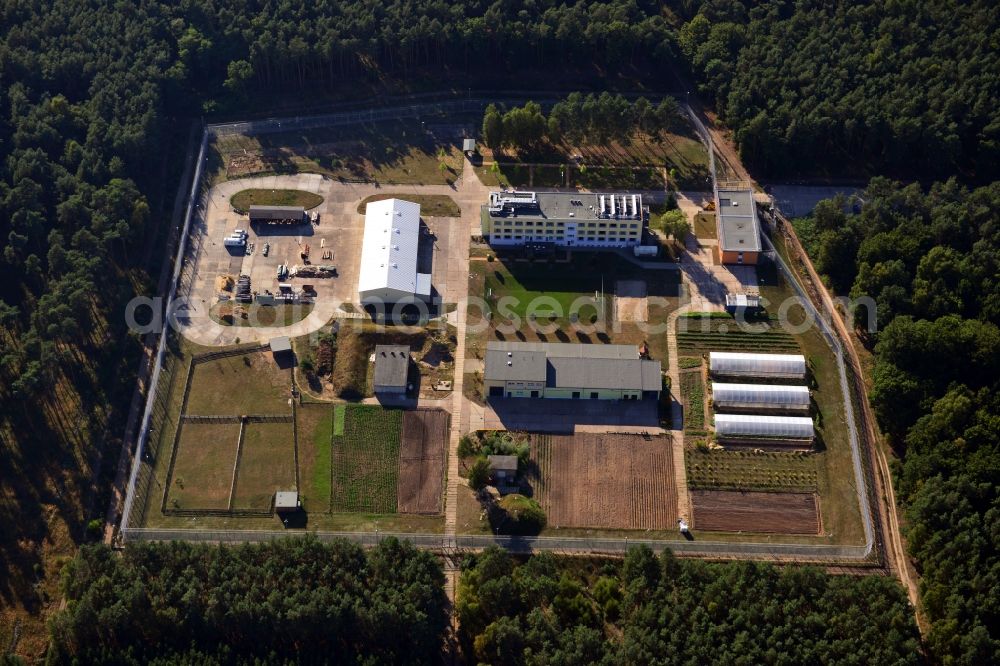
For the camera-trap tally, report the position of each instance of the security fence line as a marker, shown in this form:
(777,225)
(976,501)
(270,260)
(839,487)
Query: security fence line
(818,552)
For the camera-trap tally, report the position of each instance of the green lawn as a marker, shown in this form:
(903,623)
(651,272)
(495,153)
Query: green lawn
(366,460)
(431,205)
(315,435)
(243,199)
(542,290)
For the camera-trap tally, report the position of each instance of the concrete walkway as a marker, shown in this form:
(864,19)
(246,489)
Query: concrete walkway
(677,416)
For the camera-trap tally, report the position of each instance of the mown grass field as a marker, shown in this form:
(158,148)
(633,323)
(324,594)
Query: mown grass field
(243,199)
(267,464)
(315,435)
(366,460)
(541,290)
(238,385)
(203,469)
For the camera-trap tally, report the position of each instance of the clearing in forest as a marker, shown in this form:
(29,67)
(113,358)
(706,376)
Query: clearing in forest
(605,481)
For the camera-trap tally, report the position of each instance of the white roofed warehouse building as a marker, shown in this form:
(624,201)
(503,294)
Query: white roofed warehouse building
(760,397)
(761,429)
(764,366)
(570,371)
(389,255)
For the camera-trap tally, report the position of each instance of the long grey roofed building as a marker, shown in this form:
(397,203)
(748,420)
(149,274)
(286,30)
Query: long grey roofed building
(276,213)
(558,370)
(739,228)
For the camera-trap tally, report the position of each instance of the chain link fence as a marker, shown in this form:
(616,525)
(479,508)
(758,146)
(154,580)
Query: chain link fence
(819,553)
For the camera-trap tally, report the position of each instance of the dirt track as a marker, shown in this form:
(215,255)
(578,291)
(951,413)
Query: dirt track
(606,481)
(421,461)
(771,513)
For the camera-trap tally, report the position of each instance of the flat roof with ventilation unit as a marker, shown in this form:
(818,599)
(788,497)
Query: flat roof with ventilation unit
(739,228)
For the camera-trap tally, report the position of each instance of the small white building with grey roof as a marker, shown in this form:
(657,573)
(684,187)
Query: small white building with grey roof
(569,371)
(389,255)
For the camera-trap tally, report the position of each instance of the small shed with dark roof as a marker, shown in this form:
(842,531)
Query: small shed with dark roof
(392,366)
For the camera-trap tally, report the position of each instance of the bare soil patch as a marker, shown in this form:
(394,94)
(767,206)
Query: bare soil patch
(605,481)
(630,300)
(421,461)
(769,513)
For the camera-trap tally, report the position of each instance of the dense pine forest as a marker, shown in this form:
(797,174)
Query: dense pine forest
(291,601)
(851,88)
(97,100)
(930,260)
(649,610)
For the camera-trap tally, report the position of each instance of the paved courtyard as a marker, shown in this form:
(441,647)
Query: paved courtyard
(339,232)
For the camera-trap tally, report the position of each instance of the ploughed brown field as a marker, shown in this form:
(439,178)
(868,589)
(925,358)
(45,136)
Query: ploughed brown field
(771,513)
(605,481)
(421,461)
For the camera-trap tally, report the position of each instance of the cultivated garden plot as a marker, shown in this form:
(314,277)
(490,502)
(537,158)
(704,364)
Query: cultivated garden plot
(366,460)
(422,460)
(825,473)
(774,513)
(605,481)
